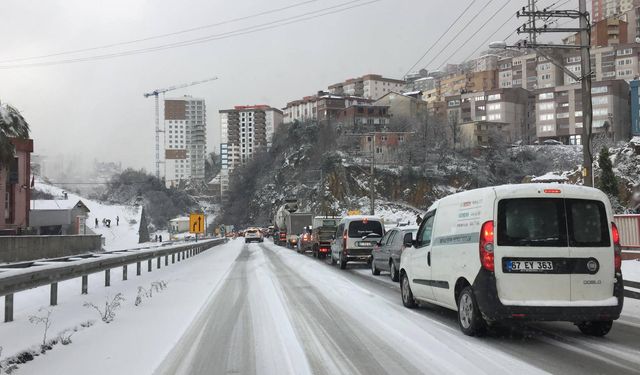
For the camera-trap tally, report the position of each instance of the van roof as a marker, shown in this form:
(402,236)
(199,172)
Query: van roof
(360,217)
(531,189)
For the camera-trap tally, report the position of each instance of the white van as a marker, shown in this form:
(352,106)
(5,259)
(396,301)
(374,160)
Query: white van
(518,252)
(355,238)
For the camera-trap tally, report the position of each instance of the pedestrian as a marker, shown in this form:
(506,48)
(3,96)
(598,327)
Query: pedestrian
(160,238)
(96,222)
(108,223)
(117,220)
(156,238)
(418,219)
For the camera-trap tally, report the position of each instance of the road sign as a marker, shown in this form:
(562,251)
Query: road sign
(196,223)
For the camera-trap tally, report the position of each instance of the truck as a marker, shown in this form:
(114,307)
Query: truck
(297,223)
(324,227)
(280,220)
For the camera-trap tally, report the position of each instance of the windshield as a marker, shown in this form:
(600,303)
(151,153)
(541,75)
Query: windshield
(359,229)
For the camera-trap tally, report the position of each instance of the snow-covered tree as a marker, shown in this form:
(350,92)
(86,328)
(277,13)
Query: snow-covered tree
(607,182)
(12,125)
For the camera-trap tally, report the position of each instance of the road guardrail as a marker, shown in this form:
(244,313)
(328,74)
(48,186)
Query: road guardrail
(28,275)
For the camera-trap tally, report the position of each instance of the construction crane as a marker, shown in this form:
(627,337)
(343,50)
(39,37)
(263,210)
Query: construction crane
(156,93)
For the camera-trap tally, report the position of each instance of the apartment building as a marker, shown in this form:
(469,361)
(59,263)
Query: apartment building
(635,107)
(322,107)
(602,9)
(244,131)
(608,63)
(364,117)
(370,86)
(559,111)
(529,71)
(185,122)
(404,107)
(511,107)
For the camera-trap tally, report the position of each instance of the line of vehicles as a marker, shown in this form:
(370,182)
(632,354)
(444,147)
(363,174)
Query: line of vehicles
(530,252)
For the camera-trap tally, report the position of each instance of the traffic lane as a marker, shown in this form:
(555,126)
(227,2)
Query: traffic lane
(426,344)
(334,342)
(562,346)
(219,341)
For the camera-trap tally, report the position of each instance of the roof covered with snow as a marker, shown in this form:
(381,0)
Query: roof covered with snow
(56,204)
(550,177)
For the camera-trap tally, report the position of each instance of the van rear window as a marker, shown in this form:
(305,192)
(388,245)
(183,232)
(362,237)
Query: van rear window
(552,222)
(358,229)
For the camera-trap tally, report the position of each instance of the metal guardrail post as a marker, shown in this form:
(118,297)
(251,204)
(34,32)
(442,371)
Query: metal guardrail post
(149,267)
(158,263)
(53,297)
(173,258)
(124,272)
(166,260)
(138,269)
(107,277)
(8,308)
(85,284)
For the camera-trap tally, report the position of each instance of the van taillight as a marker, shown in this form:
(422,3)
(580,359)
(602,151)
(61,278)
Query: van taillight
(486,246)
(617,249)
(344,241)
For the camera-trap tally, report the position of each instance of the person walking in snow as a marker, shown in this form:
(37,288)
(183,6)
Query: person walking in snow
(96,222)
(117,220)
(160,238)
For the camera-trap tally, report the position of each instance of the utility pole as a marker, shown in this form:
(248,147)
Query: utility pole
(584,31)
(372,177)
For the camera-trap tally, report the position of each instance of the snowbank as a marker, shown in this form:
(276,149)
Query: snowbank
(631,270)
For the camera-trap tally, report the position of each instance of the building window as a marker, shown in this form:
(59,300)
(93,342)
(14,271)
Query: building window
(493,97)
(599,90)
(547,116)
(545,96)
(546,106)
(494,117)
(494,107)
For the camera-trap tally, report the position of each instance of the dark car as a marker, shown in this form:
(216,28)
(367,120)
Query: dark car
(386,254)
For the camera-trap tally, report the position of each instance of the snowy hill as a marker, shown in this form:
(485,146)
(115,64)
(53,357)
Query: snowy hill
(118,236)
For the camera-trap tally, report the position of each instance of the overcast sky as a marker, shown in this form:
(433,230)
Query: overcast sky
(96,109)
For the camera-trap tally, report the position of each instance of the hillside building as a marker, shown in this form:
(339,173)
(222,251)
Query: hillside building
(370,86)
(15,189)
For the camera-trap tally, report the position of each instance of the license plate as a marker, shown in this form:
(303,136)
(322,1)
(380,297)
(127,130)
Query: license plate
(529,265)
(365,244)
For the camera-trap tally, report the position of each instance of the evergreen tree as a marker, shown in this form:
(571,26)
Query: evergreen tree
(608,182)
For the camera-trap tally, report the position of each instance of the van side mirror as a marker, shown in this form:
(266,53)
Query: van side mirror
(408,240)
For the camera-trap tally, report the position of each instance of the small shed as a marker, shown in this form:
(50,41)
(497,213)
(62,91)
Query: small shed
(179,224)
(58,216)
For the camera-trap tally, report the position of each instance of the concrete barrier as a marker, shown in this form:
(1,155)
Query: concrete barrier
(25,248)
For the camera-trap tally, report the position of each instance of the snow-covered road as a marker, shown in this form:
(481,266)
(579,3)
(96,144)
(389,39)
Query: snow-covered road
(279,312)
(264,309)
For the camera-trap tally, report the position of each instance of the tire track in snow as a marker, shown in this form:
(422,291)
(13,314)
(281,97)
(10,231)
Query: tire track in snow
(334,343)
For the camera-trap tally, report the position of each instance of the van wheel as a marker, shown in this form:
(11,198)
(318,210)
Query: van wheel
(405,289)
(597,328)
(469,316)
(343,262)
(393,271)
(374,269)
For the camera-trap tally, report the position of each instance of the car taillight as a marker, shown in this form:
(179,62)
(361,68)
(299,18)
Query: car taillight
(486,246)
(617,249)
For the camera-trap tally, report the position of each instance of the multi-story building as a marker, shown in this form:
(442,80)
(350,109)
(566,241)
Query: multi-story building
(632,16)
(511,107)
(370,86)
(528,71)
(612,62)
(322,107)
(185,123)
(635,107)
(559,111)
(607,32)
(364,117)
(15,192)
(602,9)
(245,130)
(404,107)
(385,146)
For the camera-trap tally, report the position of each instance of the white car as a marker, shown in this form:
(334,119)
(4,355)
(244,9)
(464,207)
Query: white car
(355,238)
(253,234)
(518,252)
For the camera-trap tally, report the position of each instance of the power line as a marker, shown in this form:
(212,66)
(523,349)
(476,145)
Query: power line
(242,31)
(474,34)
(460,32)
(484,42)
(441,36)
(122,43)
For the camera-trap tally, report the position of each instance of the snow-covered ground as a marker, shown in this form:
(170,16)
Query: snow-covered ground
(157,323)
(122,235)
(631,270)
